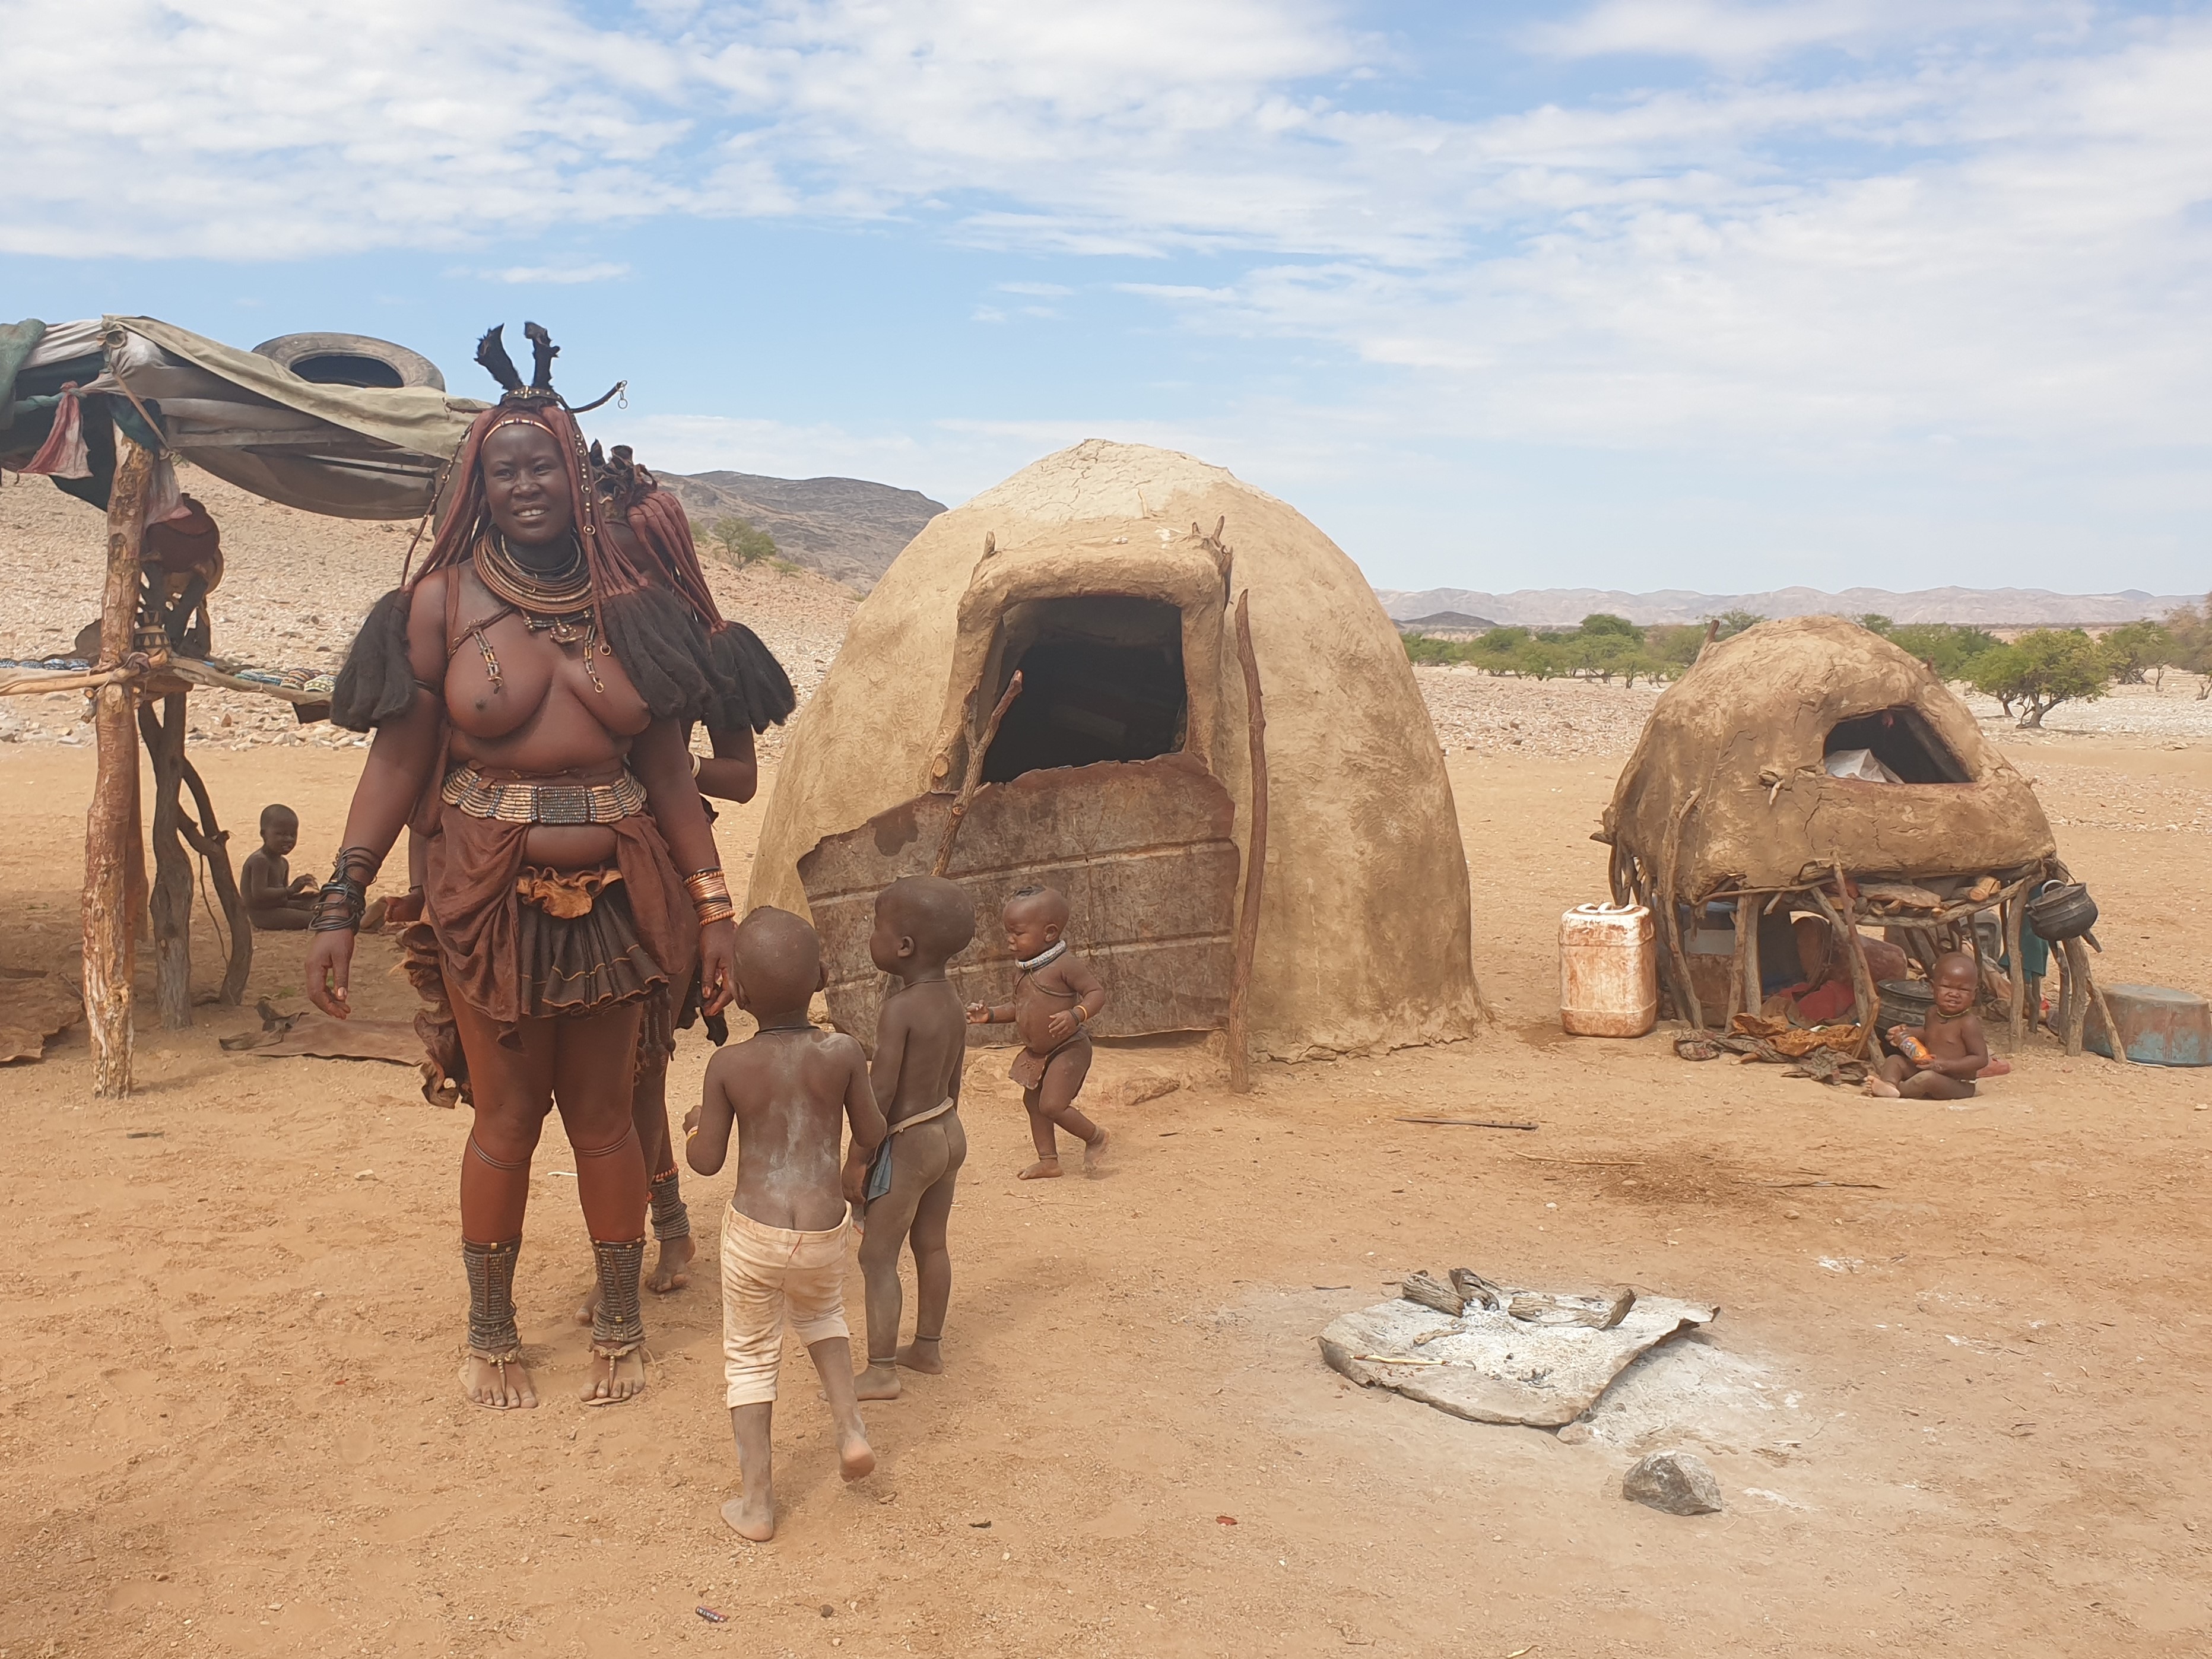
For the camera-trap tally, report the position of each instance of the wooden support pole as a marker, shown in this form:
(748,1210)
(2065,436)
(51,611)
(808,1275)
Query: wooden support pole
(1255,859)
(1844,916)
(2014,908)
(212,842)
(2076,956)
(111,825)
(1742,995)
(172,896)
(1686,992)
(1754,975)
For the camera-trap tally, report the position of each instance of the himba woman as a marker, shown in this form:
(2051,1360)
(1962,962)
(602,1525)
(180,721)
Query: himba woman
(529,689)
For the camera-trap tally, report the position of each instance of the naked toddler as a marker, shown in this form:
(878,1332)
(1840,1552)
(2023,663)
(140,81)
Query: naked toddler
(921,1039)
(1952,1041)
(276,900)
(1056,1000)
(783,1239)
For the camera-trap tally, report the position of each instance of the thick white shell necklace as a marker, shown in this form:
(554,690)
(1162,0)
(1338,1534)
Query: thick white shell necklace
(1051,952)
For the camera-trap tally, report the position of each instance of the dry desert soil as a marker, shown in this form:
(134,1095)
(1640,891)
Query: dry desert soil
(1953,1396)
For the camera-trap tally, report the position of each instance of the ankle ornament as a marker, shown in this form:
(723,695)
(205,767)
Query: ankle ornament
(618,1323)
(492,1333)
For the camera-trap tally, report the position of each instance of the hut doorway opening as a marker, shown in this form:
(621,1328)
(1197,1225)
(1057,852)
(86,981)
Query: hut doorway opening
(1902,740)
(1101,680)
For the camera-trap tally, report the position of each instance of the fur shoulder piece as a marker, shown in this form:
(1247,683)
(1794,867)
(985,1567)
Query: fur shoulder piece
(377,682)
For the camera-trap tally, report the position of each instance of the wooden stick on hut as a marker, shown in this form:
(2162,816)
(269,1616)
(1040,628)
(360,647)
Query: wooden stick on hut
(111,825)
(171,897)
(973,780)
(1255,859)
(1670,920)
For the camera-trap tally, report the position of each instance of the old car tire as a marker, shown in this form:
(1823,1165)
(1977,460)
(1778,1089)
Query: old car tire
(350,359)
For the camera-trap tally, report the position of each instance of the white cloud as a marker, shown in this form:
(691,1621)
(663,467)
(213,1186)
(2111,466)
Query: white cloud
(601,271)
(1872,221)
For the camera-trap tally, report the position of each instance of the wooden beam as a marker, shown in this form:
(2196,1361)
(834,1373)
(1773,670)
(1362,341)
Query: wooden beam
(2013,908)
(172,896)
(1255,859)
(212,842)
(111,825)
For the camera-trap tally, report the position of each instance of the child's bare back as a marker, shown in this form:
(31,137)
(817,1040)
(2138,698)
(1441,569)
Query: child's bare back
(784,1091)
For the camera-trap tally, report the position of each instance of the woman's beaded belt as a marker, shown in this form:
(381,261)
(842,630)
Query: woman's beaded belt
(543,802)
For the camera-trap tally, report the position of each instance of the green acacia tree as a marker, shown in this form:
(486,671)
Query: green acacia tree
(2140,651)
(2042,669)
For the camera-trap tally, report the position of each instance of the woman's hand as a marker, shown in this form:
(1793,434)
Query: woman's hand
(718,966)
(330,968)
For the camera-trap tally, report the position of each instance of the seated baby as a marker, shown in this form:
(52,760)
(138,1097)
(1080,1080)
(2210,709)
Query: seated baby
(1940,1061)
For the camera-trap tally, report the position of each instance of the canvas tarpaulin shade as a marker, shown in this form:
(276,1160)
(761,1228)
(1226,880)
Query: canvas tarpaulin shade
(347,451)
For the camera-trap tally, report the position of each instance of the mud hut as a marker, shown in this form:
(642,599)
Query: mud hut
(1110,577)
(1732,806)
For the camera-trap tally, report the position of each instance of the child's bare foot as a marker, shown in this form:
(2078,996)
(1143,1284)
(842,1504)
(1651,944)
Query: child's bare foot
(921,1355)
(1094,1149)
(856,1459)
(1999,1066)
(496,1387)
(1881,1089)
(749,1519)
(587,1310)
(1045,1169)
(615,1380)
(879,1381)
(673,1271)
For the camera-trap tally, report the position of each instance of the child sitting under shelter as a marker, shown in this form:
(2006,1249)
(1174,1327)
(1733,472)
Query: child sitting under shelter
(783,1240)
(1951,1049)
(276,900)
(1056,1000)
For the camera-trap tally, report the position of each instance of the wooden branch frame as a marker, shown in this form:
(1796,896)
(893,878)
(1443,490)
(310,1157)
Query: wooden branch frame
(1255,859)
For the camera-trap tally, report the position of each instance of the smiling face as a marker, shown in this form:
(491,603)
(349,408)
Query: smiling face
(526,485)
(1956,984)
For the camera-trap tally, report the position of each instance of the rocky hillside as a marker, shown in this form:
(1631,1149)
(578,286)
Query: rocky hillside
(847,529)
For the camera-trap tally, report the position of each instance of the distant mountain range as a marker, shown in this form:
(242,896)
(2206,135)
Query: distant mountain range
(848,529)
(1988,607)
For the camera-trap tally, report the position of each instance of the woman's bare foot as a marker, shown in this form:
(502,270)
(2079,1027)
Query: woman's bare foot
(856,1459)
(749,1519)
(1093,1151)
(496,1387)
(921,1355)
(1045,1169)
(614,1381)
(879,1381)
(673,1271)
(1881,1089)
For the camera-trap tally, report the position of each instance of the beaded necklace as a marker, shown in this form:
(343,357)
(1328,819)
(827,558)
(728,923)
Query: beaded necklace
(559,602)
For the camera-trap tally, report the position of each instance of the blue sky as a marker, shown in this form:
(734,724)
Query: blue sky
(1638,293)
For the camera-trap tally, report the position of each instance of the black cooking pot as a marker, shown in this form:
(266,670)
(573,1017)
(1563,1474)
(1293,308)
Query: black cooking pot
(1906,1002)
(2062,911)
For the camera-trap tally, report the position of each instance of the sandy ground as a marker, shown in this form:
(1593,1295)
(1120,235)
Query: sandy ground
(1954,1396)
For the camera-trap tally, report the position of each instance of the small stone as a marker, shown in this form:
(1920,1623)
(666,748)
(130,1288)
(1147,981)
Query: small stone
(1675,1481)
(1575,1434)
(1791,1215)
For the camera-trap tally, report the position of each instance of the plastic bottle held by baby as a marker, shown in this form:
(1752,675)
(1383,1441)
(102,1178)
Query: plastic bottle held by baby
(1913,1048)
(1608,971)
